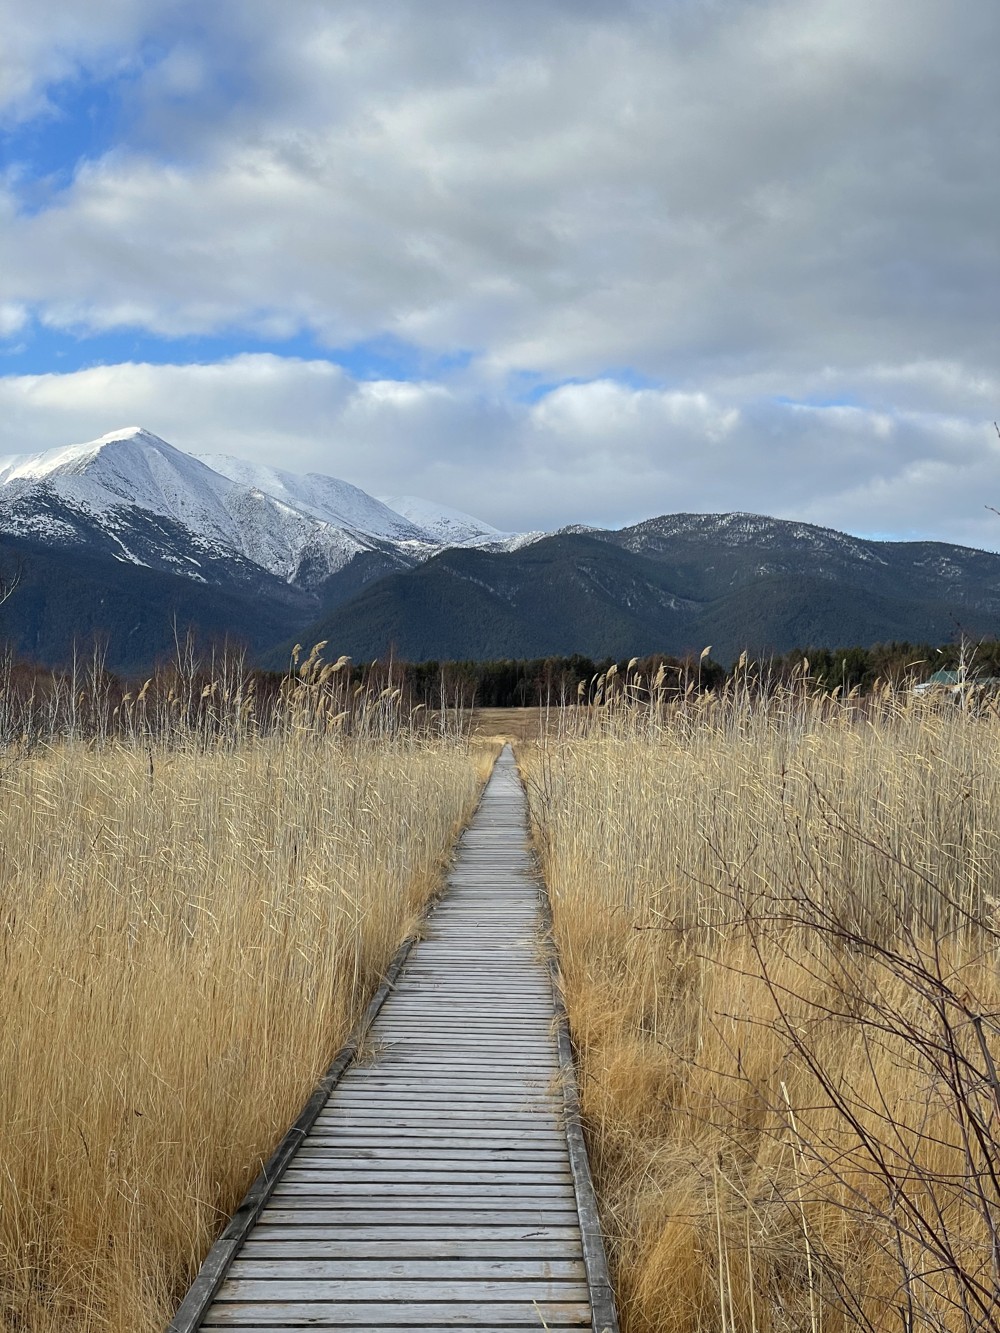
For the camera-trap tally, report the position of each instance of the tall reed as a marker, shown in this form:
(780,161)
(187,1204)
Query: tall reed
(190,920)
(776,916)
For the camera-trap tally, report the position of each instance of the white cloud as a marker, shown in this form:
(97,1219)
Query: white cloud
(13,318)
(597,452)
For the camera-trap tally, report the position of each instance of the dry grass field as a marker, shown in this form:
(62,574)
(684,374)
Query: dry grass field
(524,724)
(777,928)
(188,927)
(511,724)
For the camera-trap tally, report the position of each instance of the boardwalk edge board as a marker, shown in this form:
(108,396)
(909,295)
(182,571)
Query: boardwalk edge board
(602,1296)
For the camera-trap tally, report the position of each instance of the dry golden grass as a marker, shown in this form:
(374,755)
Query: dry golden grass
(507,724)
(776,930)
(513,724)
(187,932)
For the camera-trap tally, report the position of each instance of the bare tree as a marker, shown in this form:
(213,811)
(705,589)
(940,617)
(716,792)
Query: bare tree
(8,582)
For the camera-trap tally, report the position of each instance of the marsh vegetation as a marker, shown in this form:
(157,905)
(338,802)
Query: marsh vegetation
(194,907)
(776,917)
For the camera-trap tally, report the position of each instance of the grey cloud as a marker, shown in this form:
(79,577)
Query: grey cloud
(563,189)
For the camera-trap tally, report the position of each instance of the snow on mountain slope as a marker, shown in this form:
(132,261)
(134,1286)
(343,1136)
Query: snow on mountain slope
(742,530)
(450,527)
(325,498)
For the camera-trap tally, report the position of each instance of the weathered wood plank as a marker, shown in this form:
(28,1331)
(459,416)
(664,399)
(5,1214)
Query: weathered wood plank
(459,1248)
(485,1151)
(502,1132)
(431,1037)
(342,1187)
(369,1209)
(499,1044)
(400,1290)
(428,1316)
(436,1156)
(464,1164)
(485,1148)
(536,1067)
(445,1102)
(447,1085)
(257,1268)
(376,1151)
(517,1116)
(443,1230)
(444,1122)
(396,1213)
(504,1022)
(395,1327)
(467,1133)
(362,1177)
(446,1108)
(431,1096)
(418,1041)
(444,1076)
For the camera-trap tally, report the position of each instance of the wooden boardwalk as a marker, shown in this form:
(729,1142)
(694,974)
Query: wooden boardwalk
(443,1185)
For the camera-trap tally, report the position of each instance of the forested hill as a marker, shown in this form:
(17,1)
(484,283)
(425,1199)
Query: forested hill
(672,585)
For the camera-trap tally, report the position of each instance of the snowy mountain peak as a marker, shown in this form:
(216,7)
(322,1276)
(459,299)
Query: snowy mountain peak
(129,433)
(300,528)
(72,457)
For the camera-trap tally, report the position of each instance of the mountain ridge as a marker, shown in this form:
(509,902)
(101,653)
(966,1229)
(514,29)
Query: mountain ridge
(782,585)
(273,557)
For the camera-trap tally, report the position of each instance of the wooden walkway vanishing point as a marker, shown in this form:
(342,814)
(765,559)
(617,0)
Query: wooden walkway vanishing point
(443,1183)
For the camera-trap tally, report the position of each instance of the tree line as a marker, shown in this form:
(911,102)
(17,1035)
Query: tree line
(197,680)
(529,683)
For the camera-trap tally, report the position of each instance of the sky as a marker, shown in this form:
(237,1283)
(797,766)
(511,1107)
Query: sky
(547,261)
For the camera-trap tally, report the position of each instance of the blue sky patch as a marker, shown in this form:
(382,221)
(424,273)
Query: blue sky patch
(818,401)
(38,350)
(528,388)
(84,121)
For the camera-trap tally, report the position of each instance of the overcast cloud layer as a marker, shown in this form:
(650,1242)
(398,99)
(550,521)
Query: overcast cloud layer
(636,257)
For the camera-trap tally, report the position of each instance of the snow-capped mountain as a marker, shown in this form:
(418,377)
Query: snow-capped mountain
(148,503)
(125,542)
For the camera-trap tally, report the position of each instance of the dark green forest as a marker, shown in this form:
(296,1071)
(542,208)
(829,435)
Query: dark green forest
(557,680)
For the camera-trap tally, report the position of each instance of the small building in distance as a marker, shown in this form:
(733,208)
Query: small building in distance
(958,684)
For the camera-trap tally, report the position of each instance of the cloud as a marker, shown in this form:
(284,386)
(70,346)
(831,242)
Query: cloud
(13,318)
(564,188)
(598,451)
(742,254)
